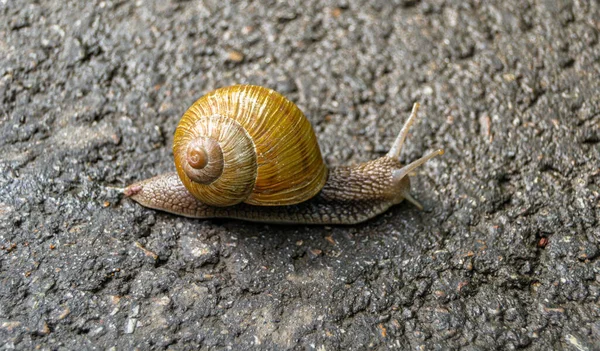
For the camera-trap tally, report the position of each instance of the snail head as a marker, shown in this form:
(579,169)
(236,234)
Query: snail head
(400,175)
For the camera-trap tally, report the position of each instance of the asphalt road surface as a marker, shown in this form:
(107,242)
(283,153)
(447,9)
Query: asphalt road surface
(504,256)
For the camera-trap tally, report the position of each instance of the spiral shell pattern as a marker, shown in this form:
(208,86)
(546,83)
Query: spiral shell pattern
(248,144)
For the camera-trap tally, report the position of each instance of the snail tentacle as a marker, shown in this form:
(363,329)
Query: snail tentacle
(399,142)
(408,197)
(398,174)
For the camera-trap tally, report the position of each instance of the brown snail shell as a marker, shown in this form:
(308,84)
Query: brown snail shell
(249,144)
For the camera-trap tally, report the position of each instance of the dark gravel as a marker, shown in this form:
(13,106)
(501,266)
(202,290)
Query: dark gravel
(505,256)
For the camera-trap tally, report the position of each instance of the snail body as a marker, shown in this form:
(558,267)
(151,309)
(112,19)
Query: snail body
(246,152)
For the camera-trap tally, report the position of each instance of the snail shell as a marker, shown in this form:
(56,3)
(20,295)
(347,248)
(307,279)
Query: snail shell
(249,144)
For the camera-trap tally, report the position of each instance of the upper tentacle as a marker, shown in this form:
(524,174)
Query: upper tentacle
(399,142)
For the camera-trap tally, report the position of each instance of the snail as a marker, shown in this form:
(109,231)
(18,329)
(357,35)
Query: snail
(247,152)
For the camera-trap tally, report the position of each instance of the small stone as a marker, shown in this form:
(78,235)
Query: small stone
(235,56)
(131,324)
(198,252)
(135,311)
(315,252)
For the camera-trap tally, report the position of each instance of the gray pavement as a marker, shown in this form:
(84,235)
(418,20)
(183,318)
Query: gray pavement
(505,255)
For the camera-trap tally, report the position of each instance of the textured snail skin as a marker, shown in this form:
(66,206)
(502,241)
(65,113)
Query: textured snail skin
(350,195)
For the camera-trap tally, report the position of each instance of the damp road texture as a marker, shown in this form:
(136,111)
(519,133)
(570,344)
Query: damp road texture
(504,256)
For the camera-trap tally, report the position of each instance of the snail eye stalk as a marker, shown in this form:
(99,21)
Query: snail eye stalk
(399,142)
(398,174)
